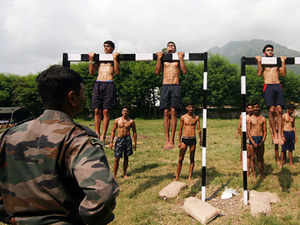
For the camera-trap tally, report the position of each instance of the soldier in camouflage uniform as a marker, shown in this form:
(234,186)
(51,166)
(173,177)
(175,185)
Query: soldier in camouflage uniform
(54,171)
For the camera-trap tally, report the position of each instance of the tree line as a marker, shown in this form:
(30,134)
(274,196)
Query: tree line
(137,87)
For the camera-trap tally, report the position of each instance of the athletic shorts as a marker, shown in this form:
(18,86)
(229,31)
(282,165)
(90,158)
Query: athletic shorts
(289,144)
(257,139)
(170,96)
(104,95)
(189,141)
(273,94)
(123,145)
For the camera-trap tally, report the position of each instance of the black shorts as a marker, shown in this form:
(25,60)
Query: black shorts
(273,95)
(170,96)
(123,145)
(104,95)
(189,141)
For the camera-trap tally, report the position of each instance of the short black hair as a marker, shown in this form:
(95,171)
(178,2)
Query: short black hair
(55,82)
(291,106)
(108,42)
(171,42)
(267,46)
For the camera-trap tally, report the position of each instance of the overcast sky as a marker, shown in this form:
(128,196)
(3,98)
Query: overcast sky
(35,33)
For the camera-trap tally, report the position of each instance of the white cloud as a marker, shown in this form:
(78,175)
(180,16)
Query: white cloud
(35,33)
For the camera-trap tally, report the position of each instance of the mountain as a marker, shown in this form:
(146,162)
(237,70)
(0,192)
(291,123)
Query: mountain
(234,50)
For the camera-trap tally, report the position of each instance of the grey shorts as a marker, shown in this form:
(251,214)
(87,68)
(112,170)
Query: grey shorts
(170,96)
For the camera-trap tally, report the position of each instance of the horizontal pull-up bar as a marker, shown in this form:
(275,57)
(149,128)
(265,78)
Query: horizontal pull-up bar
(132,57)
(270,60)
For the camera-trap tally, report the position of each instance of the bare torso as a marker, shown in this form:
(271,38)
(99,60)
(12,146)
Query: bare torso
(257,125)
(271,75)
(288,122)
(124,126)
(189,123)
(105,72)
(171,73)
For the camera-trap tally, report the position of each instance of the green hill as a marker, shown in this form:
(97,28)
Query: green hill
(234,50)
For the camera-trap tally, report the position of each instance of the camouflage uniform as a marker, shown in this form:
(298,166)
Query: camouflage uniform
(54,171)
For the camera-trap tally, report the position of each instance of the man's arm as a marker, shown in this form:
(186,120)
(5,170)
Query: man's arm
(134,134)
(181,62)
(199,130)
(293,124)
(116,63)
(259,66)
(92,65)
(249,134)
(239,128)
(158,63)
(282,69)
(87,163)
(3,215)
(264,130)
(113,131)
(180,131)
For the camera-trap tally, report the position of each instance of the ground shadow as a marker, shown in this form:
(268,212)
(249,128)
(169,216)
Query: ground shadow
(285,179)
(143,168)
(296,159)
(152,181)
(268,170)
(211,174)
(215,194)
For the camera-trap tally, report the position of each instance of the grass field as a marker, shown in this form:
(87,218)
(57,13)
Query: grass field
(151,168)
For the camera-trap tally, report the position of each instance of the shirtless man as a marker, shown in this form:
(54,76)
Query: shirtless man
(249,147)
(273,91)
(289,133)
(170,99)
(257,133)
(104,93)
(123,143)
(187,138)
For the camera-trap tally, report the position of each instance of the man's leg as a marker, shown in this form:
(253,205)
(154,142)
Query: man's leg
(278,122)
(277,155)
(192,161)
(273,124)
(173,125)
(125,166)
(116,166)
(182,151)
(167,128)
(97,118)
(105,124)
(291,159)
(260,160)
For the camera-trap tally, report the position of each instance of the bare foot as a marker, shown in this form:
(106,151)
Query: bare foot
(168,146)
(171,145)
(125,177)
(293,166)
(102,138)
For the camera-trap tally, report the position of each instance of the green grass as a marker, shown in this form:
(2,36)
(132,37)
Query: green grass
(151,168)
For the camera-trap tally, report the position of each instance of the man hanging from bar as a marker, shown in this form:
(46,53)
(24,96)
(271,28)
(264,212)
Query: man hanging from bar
(104,93)
(273,91)
(170,93)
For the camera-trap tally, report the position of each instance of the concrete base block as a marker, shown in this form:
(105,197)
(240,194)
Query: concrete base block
(260,202)
(199,210)
(172,189)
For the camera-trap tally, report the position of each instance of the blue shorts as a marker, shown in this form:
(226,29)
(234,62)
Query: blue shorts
(257,139)
(289,144)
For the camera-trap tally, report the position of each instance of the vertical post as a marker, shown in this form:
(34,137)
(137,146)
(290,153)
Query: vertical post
(66,62)
(244,127)
(204,118)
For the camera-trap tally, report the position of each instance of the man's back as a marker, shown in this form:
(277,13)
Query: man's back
(44,171)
